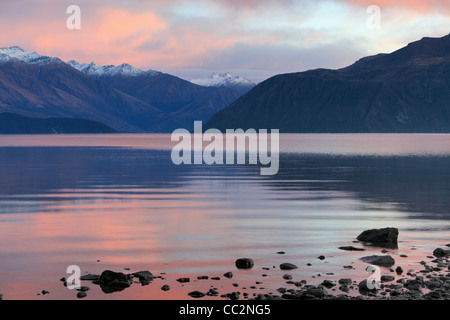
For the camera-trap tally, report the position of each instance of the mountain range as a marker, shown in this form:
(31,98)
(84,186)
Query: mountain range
(121,97)
(407,91)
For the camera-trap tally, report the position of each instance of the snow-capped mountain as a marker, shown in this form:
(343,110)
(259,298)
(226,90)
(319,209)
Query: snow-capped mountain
(92,69)
(15,52)
(124,69)
(121,97)
(223,80)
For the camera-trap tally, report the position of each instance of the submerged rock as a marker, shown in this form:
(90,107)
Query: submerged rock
(351,248)
(383,261)
(196,294)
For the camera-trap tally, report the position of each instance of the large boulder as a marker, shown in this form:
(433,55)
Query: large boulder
(111,281)
(387,237)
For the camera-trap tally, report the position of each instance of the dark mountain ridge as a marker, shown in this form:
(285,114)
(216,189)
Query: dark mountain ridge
(407,91)
(41,87)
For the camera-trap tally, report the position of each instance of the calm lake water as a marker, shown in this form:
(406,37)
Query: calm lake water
(118,202)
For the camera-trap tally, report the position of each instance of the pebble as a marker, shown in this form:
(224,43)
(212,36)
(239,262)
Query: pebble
(165,287)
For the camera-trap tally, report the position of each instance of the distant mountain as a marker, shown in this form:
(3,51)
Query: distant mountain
(238,83)
(180,102)
(407,91)
(121,97)
(11,123)
(94,69)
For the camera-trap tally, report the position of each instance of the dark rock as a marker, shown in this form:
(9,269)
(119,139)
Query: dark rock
(317,292)
(202,277)
(328,284)
(387,278)
(44,292)
(399,270)
(233,295)
(384,261)
(387,237)
(228,275)
(344,288)
(145,277)
(165,287)
(321,257)
(364,289)
(439,252)
(244,263)
(288,266)
(287,277)
(345,281)
(183,280)
(81,294)
(215,278)
(196,294)
(432,284)
(109,276)
(351,248)
(111,281)
(212,292)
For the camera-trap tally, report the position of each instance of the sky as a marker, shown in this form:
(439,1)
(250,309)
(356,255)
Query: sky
(192,39)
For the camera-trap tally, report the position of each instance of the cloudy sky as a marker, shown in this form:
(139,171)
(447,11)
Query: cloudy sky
(191,39)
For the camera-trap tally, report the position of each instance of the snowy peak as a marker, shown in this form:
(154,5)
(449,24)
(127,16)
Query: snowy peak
(93,69)
(223,80)
(15,52)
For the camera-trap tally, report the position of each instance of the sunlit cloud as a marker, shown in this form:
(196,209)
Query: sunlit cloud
(258,37)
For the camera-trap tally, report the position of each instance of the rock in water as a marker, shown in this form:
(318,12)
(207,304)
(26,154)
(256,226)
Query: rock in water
(109,276)
(145,277)
(351,248)
(288,266)
(383,261)
(386,237)
(111,281)
(196,294)
(244,263)
(439,252)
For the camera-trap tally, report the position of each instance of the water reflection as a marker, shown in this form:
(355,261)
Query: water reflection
(415,184)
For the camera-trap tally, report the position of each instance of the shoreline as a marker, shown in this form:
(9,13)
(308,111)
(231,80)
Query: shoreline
(248,280)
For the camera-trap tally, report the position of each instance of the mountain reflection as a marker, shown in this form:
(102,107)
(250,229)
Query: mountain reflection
(416,184)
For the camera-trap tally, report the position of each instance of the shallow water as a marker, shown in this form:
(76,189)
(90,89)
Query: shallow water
(117,201)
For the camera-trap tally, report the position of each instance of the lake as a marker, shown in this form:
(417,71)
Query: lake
(117,202)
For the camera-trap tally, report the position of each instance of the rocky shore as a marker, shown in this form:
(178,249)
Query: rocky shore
(432,282)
